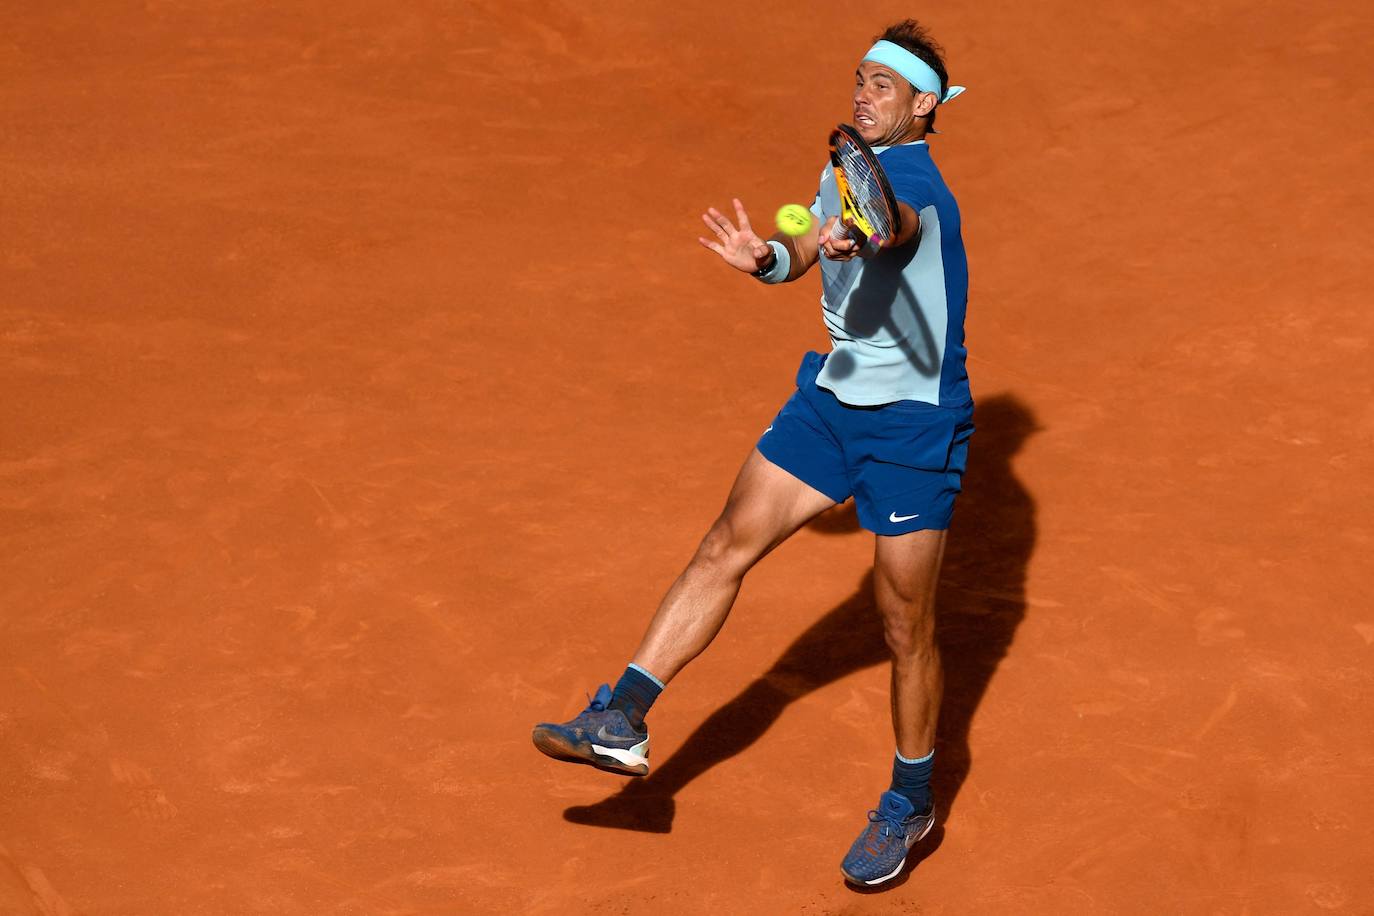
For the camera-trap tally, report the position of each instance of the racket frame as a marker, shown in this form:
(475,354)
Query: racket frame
(863,231)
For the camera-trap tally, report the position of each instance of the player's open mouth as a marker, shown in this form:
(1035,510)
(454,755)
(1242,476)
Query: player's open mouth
(863,119)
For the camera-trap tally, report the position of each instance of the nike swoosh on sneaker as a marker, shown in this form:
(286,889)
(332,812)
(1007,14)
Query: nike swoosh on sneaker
(604,735)
(894,517)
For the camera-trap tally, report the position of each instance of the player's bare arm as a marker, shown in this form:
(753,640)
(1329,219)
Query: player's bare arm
(804,249)
(741,248)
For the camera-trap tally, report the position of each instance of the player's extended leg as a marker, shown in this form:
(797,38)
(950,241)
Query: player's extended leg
(905,571)
(765,507)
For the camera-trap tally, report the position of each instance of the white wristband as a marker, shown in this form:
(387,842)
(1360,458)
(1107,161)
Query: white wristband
(782,264)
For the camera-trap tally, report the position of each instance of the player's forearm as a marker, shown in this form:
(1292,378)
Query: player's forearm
(802,250)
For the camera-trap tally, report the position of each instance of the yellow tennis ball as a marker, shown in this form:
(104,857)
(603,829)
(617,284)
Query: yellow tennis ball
(794,219)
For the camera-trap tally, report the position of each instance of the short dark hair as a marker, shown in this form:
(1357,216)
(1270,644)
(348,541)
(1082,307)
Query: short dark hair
(913,36)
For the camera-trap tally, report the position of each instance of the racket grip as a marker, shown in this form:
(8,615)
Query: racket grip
(840,231)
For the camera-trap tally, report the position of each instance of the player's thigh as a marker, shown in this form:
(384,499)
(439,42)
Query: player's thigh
(906,568)
(766,505)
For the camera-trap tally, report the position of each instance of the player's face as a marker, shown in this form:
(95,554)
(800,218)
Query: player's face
(886,107)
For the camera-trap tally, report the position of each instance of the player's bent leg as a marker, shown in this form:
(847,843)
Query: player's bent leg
(766,506)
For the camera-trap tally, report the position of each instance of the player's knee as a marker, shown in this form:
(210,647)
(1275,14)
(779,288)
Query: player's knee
(724,548)
(909,635)
(900,590)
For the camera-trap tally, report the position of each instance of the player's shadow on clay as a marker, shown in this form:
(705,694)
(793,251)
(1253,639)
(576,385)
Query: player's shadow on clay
(980,603)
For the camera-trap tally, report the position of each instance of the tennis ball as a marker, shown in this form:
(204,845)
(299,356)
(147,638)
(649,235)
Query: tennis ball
(794,219)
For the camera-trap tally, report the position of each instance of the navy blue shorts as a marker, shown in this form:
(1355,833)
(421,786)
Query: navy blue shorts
(902,462)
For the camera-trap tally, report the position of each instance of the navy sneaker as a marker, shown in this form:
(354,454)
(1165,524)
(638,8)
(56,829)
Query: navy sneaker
(599,736)
(880,851)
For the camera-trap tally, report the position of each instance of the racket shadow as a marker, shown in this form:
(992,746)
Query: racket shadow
(872,309)
(980,604)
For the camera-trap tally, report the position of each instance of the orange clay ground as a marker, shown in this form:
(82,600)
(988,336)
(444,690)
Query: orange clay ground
(364,386)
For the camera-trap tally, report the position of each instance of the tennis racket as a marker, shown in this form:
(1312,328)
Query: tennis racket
(866,198)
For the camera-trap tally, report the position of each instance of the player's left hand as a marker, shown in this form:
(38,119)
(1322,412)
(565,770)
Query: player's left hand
(741,247)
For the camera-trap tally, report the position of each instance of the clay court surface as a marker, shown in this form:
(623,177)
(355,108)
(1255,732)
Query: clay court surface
(364,386)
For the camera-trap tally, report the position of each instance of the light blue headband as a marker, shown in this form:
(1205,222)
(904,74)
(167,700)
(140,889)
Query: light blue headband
(914,70)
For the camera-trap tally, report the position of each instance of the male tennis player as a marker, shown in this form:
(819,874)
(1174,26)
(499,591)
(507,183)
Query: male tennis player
(885,418)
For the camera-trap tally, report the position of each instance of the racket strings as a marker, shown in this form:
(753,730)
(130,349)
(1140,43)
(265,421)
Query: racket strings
(865,188)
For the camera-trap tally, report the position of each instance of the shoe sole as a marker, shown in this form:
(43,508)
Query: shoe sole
(896,871)
(553,744)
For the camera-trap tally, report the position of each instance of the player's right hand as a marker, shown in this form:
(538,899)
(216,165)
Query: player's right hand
(741,247)
(842,249)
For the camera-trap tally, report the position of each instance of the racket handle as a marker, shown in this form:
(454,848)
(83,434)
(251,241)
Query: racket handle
(840,231)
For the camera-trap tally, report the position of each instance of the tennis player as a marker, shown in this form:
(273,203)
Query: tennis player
(884,418)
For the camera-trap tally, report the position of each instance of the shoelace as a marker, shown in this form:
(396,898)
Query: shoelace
(888,823)
(595,705)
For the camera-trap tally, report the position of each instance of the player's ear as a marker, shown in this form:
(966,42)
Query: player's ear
(923,104)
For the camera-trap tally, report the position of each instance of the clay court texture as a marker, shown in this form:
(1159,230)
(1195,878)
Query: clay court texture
(364,387)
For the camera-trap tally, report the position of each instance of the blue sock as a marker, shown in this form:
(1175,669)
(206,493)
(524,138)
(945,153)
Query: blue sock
(912,779)
(634,693)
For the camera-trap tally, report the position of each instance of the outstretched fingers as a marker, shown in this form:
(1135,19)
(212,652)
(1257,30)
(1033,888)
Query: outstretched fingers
(757,246)
(714,224)
(741,216)
(740,247)
(720,223)
(714,246)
